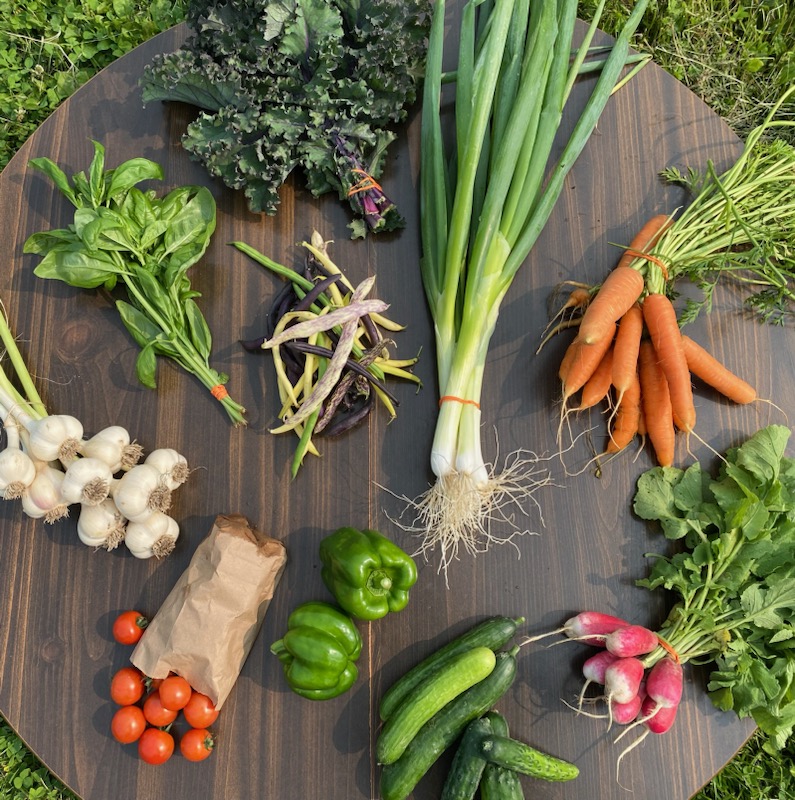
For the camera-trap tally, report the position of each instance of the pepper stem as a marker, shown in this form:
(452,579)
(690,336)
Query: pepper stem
(379,583)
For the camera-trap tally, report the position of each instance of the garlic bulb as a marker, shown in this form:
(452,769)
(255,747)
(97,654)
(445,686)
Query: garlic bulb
(155,536)
(101,525)
(43,497)
(17,472)
(86,480)
(171,464)
(58,436)
(113,446)
(141,491)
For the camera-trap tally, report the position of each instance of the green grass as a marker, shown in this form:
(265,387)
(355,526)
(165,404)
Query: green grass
(737,55)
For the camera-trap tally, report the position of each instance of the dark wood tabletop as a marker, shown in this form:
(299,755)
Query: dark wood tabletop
(58,598)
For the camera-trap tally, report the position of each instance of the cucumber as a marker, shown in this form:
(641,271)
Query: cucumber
(464,776)
(450,680)
(520,757)
(493,633)
(499,783)
(399,778)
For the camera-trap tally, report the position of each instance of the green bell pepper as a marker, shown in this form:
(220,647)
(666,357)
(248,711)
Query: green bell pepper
(368,574)
(319,650)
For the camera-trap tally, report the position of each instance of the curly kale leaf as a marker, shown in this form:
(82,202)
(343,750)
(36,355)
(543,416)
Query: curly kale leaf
(314,84)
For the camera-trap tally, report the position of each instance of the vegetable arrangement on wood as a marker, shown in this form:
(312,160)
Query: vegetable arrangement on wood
(484,201)
(123,235)
(734,574)
(49,464)
(313,84)
(329,352)
(629,350)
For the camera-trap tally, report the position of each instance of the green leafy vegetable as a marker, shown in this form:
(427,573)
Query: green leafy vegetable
(122,234)
(738,226)
(297,83)
(735,575)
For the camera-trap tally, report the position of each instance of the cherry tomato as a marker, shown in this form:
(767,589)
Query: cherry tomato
(174,693)
(197,744)
(155,746)
(155,713)
(200,711)
(128,724)
(129,626)
(127,686)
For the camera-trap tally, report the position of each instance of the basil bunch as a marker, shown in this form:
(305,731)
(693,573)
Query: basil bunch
(121,234)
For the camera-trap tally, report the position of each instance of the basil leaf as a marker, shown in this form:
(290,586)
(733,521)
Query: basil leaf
(199,330)
(140,327)
(56,175)
(130,173)
(77,267)
(193,224)
(96,175)
(39,243)
(146,365)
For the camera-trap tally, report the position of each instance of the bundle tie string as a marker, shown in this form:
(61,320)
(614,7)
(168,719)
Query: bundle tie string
(219,391)
(649,257)
(367,182)
(668,649)
(452,398)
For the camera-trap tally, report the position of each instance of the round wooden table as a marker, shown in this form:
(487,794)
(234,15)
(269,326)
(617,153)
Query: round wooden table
(58,598)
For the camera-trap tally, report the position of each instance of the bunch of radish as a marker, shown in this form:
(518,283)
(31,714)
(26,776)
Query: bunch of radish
(641,678)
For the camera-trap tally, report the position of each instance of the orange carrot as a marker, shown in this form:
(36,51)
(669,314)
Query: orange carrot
(706,367)
(645,239)
(660,318)
(625,350)
(627,418)
(598,385)
(580,362)
(620,290)
(656,401)
(642,428)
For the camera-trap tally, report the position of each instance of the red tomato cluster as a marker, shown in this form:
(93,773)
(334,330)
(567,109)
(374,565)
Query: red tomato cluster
(149,708)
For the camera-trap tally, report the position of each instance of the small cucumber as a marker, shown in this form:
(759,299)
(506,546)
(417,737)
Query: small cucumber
(520,757)
(493,633)
(464,776)
(399,779)
(499,783)
(450,680)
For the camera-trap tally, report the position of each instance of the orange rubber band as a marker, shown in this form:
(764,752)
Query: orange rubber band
(219,391)
(367,182)
(668,649)
(454,399)
(653,259)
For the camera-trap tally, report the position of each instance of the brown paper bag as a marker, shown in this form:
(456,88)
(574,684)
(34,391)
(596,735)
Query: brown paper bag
(205,628)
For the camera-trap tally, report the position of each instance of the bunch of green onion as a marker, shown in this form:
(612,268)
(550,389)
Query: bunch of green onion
(484,201)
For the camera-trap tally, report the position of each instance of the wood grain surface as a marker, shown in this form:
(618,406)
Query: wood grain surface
(58,598)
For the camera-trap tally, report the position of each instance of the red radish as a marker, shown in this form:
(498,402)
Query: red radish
(590,627)
(624,713)
(594,671)
(657,718)
(631,640)
(622,679)
(594,667)
(664,682)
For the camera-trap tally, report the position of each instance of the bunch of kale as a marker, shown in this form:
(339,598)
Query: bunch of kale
(289,83)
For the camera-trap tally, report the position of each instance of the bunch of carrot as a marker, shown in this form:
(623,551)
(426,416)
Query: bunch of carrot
(630,351)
